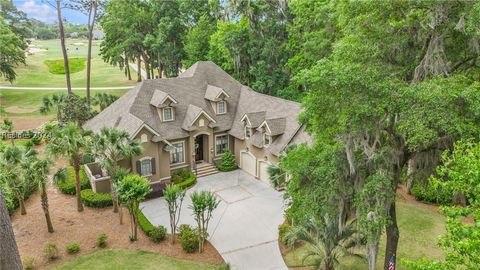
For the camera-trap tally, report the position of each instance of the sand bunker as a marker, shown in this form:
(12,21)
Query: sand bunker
(16,109)
(35,50)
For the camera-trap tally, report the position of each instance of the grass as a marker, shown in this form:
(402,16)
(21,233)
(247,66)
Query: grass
(32,99)
(419,230)
(57,67)
(119,259)
(36,74)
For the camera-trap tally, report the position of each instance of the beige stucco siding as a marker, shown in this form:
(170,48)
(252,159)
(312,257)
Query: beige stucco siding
(150,149)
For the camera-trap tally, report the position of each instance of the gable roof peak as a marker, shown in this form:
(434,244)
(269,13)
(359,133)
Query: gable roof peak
(213,93)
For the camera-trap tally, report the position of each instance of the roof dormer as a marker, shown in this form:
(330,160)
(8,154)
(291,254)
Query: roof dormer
(273,127)
(161,99)
(215,94)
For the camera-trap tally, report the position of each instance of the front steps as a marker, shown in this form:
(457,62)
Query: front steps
(204,169)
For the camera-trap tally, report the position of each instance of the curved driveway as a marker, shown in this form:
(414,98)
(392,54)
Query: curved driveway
(244,227)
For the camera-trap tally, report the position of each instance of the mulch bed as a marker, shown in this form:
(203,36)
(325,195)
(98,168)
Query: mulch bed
(84,228)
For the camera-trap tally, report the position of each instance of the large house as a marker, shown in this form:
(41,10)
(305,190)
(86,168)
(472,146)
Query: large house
(187,122)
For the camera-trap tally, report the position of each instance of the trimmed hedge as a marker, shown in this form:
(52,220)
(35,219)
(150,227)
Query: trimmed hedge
(184,178)
(96,200)
(144,223)
(67,186)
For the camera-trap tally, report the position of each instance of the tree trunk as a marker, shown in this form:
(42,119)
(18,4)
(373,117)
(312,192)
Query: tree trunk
(64,48)
(44,199)
(91,23)
(147,68)
(393,235)
(9,255)
(410,171)
(139,69)
(114,195)
(77,188)
(372,253)
(21,202)
(127,66)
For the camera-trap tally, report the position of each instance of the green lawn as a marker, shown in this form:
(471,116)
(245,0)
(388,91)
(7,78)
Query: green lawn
(419,230)
(57,66)
(119,259)
(32,99)
(36,74)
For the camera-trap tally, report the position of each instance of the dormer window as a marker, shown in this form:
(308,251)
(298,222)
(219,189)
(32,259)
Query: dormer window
(248,132)
(267,139)
(221,107)
(167,114)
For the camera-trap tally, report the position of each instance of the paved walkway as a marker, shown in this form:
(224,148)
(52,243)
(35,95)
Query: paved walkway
(244,227)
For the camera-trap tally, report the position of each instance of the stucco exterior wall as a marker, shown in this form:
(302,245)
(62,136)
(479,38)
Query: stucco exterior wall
(150,149)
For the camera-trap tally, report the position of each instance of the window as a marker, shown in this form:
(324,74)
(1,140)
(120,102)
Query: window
(146,167)
(178,154)
(221,144)
(221,107)
(168,114)
(248,132)
(267,139)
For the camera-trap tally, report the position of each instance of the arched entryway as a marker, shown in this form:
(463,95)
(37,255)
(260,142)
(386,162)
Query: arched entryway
(201,148)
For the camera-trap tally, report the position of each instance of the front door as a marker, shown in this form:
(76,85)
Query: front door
(199,148)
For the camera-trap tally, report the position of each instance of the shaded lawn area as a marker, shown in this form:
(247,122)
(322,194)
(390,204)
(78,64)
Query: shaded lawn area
(419,227)
(131,259)
(36,73)
(32,99)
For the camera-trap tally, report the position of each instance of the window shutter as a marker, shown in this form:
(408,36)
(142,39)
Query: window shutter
(139,167)
(153,165)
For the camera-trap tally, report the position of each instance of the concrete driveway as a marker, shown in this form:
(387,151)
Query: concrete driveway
(244,227)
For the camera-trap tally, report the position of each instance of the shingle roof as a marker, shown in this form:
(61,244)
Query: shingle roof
(256,118)
(133,110)
(159,97)
(276,125)
(212,93)
(192,113)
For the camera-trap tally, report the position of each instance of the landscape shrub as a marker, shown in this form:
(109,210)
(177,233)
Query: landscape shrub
(10,198)
(56,66)
(36,140)
(144,223)
(224,266)
(184,178)
(50,251)
(67,186)
(227,163)
(73,248)
(28,263)
(96,200)
(28,145)
(283,229)
(158,233)
(189,238)
(88,158)
(102,240)
(432,194)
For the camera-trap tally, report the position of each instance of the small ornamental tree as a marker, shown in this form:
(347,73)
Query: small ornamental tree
(174,196)
(227,162)
(131,190)
(203,204)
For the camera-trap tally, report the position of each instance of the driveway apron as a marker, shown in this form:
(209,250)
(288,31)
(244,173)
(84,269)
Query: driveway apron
(244,227)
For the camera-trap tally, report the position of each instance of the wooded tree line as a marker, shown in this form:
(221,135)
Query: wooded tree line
(389,86)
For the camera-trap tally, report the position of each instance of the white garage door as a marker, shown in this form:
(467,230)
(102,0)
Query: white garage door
(263,171)
(248,163)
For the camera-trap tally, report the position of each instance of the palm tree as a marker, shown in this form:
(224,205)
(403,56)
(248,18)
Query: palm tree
(103,100)
(11,164)
(112,145)
(327,241)
(72,143)
(38,171)
(7,126)
(9,257)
